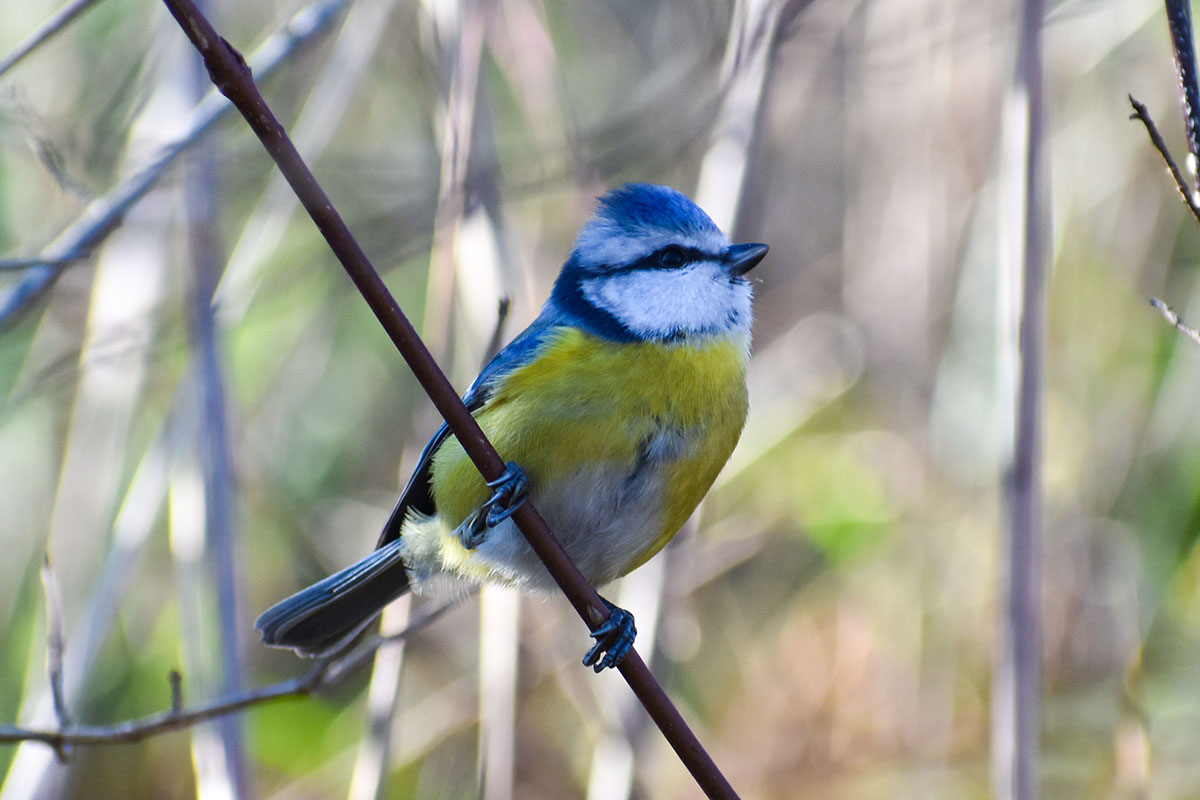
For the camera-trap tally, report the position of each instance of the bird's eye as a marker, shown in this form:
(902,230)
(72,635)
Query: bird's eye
(671,257)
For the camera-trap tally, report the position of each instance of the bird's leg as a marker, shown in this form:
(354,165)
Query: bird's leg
(473,532)
(510,490)
(613,638)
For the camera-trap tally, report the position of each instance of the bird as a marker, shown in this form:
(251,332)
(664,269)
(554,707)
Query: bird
(614,411)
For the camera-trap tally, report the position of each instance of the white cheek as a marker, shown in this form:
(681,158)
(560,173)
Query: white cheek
(659,303)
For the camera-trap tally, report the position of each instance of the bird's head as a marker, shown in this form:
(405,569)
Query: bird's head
(650,264)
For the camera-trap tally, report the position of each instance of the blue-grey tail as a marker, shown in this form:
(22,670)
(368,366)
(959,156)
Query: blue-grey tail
(318,620)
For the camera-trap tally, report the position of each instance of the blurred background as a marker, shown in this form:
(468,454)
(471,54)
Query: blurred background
(199,415)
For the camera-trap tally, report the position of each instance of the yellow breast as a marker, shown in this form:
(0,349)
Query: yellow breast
(588,407)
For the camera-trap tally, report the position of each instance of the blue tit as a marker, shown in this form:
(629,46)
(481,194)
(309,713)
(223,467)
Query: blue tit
(615,410)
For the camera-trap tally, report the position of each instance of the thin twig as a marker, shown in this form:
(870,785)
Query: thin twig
(137,729)
(1018,679)
(1189,198)
(216,582)
(1176,320)
(327,673)
(55,645)
(18,264)
(232,77)
(43,34)
(176,680)
(102,216)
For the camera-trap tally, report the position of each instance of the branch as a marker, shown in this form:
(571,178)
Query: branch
(1189,197)
(54,642)
(329,672)
(1175,320)
(43,34)
(232,77)
(1179,20)
(1017,684)
(21,264)
(102,216)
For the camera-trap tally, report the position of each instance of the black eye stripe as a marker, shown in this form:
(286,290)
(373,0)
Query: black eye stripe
(654,261)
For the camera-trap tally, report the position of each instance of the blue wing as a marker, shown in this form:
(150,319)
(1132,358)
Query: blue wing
(418,494)
(319,619)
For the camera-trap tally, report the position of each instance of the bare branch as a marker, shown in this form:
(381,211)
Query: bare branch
(1175,320)
(176,681)
(43,34)
(102,216)
(1017,682)
(54,643)
(18,264)
(1189,197)
(328,672)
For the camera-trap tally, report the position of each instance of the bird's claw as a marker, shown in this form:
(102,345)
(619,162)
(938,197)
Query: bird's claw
(510,490)
(613,638)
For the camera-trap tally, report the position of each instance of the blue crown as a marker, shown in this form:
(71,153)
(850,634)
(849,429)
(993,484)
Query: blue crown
(634,220)
(638,208)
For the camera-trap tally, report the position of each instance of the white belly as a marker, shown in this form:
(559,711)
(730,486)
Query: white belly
(605,515)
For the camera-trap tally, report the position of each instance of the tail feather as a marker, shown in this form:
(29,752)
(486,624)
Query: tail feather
(318,620)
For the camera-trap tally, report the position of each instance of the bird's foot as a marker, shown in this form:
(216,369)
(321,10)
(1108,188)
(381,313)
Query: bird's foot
(510,490)
(613,638)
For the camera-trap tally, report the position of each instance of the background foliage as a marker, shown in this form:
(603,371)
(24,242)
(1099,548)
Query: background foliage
(829,622)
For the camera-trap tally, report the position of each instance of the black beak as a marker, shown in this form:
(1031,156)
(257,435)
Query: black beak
(741,258)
